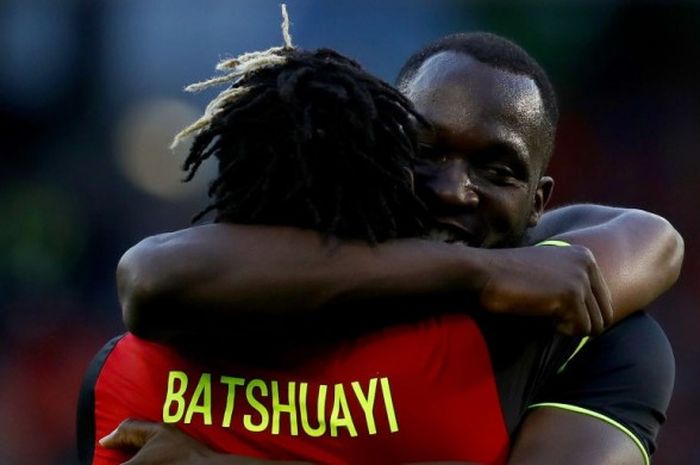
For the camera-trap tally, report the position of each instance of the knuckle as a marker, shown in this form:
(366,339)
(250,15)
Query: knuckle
(582,275)
(572,295)
(586,327)
(584,255)
(126,423)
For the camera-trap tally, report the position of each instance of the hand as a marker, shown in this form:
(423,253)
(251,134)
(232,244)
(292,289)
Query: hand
(563,283)
(159,443)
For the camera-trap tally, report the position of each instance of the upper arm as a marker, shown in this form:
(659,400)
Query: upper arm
(576,220)
(570,218)
(553,436)
(242,278)
(621,380)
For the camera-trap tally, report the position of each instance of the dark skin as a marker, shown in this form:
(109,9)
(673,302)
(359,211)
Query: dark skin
(161,444)
(483,159)
(483,178)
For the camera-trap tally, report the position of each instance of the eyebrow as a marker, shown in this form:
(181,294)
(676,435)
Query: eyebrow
(520,157)
(511,152)
(513,149)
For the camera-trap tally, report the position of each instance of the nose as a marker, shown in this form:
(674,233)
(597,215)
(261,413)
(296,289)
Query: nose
(452,185)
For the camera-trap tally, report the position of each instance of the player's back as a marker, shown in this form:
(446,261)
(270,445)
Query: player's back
(420,391)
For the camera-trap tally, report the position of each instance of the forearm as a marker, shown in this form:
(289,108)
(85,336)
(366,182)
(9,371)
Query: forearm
(234,273)
(198,280)
(224,459)
(639,253)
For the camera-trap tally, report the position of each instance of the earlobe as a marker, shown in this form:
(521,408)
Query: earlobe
(545,186)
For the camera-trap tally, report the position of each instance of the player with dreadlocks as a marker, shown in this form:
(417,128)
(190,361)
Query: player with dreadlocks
(302,138)
(419,391)
(308,138)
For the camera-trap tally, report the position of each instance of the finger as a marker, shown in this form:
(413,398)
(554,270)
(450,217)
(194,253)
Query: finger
(584,318)
(602,296)
(594,313)
(577,322)
(130,433)
(567,328)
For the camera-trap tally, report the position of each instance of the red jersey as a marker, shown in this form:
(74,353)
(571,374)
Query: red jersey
(431,390)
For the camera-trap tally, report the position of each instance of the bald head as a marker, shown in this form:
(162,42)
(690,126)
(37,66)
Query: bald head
(455,90)
(493,50)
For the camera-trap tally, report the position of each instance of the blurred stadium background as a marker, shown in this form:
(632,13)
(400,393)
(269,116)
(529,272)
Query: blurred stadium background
(90,94)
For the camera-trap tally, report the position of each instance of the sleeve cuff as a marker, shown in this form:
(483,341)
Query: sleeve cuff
(599,416)
(552,242)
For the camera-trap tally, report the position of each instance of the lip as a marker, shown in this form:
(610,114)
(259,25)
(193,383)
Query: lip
(465,234)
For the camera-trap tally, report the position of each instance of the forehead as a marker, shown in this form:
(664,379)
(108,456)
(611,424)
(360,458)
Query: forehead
(463,96)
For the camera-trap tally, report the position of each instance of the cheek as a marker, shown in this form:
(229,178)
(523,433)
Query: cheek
(507,212)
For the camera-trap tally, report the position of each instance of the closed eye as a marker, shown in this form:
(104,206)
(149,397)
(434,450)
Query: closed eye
(499,170)
(501,160)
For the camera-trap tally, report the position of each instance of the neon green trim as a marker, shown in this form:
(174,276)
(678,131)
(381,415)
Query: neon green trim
(576,351)
(599,416)
(554,243)
(557,243)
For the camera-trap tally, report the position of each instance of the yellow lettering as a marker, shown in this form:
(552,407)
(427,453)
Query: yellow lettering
(278,408)
(201,392)
(367,403)
(340,406)
(175,396)
(231,382)
(255,403)
(320,410)
(389,404)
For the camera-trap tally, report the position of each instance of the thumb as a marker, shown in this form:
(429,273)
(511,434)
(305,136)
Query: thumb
(130,433)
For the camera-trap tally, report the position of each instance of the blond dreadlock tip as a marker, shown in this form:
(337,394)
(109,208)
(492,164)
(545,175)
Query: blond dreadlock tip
(285,28)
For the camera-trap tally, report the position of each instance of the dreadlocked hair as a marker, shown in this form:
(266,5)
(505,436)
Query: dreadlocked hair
(309,139)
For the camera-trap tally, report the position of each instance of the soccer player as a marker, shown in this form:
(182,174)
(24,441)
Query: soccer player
(479,179)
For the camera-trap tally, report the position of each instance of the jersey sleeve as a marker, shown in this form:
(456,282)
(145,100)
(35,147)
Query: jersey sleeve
(623,377)
(86,434)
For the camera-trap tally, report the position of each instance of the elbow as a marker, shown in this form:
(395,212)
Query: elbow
(135,301)
(140,288)
(671,249)
(675,252)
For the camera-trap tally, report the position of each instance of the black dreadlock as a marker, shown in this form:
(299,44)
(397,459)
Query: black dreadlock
(309,139)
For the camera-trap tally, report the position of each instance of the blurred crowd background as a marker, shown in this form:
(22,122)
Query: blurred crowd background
(90,95)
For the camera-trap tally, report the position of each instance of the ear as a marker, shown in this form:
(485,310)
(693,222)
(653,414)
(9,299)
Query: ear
(545,186)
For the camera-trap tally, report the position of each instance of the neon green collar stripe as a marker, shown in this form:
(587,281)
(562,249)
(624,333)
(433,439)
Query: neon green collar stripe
(599,416)
(581,343)
(554,243)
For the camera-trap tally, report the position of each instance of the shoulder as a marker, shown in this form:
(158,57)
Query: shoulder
(639,347)
(634,357)
(624,377)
